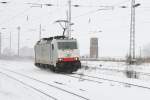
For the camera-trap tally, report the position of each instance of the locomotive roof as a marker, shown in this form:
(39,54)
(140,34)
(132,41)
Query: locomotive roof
(55,37)
(51,38)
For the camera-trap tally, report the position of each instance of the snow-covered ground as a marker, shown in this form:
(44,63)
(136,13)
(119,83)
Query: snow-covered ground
(105,90)
(145,67)
(12,90)
(110,68)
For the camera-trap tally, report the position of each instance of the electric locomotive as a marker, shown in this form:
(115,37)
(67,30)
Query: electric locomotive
(59,53)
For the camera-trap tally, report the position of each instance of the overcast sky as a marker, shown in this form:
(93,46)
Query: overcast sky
(114,24)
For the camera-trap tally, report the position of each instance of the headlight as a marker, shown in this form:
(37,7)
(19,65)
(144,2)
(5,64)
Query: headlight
(60,59)
(76,58)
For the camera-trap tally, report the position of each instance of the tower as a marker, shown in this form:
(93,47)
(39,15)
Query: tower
(94,47)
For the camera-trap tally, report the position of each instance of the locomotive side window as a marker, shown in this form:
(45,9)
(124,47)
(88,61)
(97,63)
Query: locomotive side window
(67,45)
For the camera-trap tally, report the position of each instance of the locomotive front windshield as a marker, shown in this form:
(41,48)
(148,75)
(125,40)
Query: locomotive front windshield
(67,45)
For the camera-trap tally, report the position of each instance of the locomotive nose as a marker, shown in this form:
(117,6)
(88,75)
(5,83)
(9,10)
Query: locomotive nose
(65,53)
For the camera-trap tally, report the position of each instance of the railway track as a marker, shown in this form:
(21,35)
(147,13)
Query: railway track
(78,76)
(31,87)
(119,70)
(99,79)
(42,82)
(123,71)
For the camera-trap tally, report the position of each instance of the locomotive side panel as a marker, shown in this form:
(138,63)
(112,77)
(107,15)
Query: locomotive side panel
(38,54)
(45,54)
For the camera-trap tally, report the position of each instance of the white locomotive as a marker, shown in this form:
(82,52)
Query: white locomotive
(58,53)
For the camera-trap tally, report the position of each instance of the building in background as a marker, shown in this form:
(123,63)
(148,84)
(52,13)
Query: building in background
(94,47)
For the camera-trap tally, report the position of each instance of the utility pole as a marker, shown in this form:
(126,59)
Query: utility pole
(69,19)
(40,31)
(132,34)
(19,28)
(132,58)
(140,52)
(10,42)
(0,44)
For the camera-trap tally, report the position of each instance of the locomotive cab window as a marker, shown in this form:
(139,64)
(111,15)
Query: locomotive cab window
(67,45)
